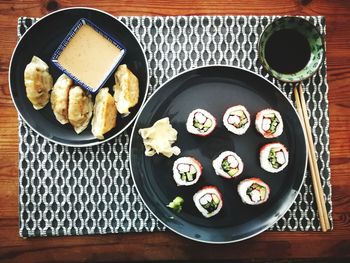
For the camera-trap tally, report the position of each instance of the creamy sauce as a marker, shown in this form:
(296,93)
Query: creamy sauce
(89,56)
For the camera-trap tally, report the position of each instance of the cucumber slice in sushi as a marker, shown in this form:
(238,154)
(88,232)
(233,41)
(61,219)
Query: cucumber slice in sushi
(236,119)
(186,171)
(228,165)
(274,157)
(208,201)
(253,191)
(269,123)
(200,122)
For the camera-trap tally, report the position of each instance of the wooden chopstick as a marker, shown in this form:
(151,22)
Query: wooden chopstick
(315,175)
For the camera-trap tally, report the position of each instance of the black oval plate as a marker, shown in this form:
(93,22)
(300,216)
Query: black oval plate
(42,39)
(216,88)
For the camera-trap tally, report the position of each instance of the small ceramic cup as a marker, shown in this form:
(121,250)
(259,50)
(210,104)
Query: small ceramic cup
(314,38)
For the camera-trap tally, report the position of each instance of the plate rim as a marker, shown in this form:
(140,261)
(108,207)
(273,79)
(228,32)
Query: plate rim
(137,188)
(97,142)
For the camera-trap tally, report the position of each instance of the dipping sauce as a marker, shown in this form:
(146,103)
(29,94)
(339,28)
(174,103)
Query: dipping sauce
(89,56)
(287,51)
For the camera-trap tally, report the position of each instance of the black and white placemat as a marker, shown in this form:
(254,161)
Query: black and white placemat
(79,191)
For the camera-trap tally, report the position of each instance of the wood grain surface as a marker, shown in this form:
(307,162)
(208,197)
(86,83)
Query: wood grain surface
(169,246)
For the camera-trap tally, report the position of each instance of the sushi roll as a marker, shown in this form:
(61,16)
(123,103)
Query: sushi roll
(237,119)
(208,201)
(200,122)
(228,164)
(273,157)
(269,123)
(186,171)
(253,191)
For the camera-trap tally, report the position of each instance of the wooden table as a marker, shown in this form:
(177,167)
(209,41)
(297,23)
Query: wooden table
(169,246)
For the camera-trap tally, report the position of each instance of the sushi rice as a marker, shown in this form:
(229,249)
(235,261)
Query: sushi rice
(208,201)
(237,119)
(269,123)
(274,157)
(253,191)
(228,165)
(186,171)
(200,122)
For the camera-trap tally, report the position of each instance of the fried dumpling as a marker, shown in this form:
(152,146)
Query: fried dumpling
(126,89)
(38,82)
(59,98)
(80,108)
(105,114)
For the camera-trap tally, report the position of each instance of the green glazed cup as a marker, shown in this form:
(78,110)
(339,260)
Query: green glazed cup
(314,38)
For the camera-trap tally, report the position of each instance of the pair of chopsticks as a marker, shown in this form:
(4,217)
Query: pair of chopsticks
(315,175)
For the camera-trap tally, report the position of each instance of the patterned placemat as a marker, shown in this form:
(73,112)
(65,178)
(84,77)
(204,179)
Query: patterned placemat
(79,191)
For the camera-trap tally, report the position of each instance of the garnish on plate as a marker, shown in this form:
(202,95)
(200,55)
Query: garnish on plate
(159,138)
(176,204)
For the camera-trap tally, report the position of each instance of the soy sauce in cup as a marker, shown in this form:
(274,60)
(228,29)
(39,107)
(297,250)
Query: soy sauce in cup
(291,49)
(287,51)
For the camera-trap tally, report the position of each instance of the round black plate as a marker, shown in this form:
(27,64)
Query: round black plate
(42,39)
(216,88)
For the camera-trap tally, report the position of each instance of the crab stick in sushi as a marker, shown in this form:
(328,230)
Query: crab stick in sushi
(200,122)
(208,201)
(269,123)
(253,191)
(237,119)
(274,157)
(186,171)
(228,165)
